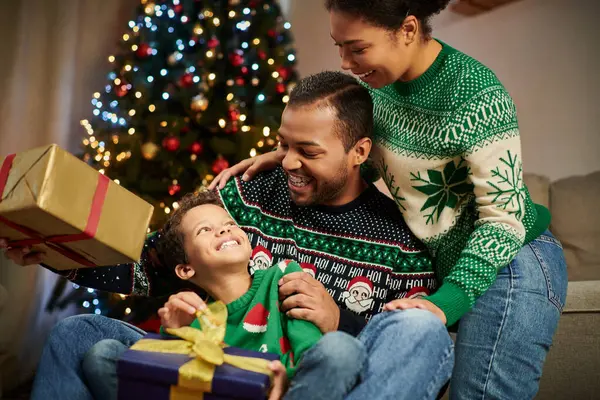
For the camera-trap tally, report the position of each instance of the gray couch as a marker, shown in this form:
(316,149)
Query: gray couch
(572,369)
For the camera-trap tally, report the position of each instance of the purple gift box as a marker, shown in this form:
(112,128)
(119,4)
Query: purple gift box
(150,375)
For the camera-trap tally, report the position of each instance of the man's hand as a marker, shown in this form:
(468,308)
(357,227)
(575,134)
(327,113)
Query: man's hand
(180,310)
(405,304)
(251,166)
(21,255)
(306,298)
(280,381)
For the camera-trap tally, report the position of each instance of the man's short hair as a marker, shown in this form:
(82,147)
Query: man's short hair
(344,94)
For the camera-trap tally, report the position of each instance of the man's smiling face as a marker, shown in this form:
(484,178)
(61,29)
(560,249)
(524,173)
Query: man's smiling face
(315,160)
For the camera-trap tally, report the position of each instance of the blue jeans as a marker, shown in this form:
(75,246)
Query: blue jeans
(60,372)
(398,355)
(411,346)
(502,342)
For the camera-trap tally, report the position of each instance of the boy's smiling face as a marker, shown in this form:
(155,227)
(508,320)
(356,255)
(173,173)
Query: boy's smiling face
(212,240)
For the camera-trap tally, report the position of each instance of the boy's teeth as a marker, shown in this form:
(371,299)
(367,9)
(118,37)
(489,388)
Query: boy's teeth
(366,74)
(229,243)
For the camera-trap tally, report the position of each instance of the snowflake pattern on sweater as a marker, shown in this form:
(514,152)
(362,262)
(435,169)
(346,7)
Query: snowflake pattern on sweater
(448,148)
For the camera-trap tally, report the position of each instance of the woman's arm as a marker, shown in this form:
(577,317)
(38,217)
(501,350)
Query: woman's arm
(493,158)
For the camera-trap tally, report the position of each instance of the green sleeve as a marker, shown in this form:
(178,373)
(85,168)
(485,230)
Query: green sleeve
(302,334)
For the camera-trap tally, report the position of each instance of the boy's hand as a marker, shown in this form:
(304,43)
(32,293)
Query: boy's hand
(405,304)
(280,381)
(21,255)
(180,310)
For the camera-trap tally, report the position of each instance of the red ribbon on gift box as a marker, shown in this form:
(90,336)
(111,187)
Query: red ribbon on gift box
(54,242)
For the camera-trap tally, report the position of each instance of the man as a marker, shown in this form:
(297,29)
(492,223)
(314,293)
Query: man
(315,209)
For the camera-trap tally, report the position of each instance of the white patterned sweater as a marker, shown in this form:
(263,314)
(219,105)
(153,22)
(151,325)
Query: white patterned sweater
(448,148)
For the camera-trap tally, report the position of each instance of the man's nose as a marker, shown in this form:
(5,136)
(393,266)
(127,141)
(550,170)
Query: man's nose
(291,162)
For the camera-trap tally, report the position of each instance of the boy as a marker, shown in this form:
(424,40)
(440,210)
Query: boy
(203,245)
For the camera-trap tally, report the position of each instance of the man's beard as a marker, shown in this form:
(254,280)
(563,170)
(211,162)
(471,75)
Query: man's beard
(326,191)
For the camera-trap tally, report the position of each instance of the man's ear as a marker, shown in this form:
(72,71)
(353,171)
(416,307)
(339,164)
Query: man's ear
(361,150)
(184,271)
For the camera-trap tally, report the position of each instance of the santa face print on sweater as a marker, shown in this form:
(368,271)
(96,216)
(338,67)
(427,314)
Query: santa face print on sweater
(261,259)
(309,269)
(359,296)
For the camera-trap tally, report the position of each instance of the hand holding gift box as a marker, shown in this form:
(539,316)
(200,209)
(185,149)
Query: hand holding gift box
(199,365)
(57,204)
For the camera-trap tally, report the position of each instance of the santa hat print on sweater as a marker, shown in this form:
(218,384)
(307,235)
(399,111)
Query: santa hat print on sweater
(416,292)
(260,251)
(256,319)
(361,281)
(285,346)
(309,269)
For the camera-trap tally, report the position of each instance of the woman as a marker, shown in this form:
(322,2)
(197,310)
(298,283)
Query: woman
(448,148)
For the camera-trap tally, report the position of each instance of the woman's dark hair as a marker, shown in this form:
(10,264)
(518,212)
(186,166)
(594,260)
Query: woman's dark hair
(390,14)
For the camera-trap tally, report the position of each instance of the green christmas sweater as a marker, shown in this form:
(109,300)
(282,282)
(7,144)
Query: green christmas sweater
(448,148)
(254,321)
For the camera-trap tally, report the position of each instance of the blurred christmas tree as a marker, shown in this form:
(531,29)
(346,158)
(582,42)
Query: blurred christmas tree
(196,86)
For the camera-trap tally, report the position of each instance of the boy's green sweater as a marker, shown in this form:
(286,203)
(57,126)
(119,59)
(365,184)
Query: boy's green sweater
(254,321)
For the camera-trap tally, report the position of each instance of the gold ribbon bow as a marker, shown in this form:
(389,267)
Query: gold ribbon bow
(206,346)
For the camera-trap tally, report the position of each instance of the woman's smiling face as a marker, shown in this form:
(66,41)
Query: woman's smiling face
(376,55)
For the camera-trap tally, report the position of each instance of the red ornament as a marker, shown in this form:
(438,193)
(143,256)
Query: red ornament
(219,165)
(262,55)
(178,8)
(185,129)
(186,80)
(143,51)
(239,81)
(171,143)
(236,59)
(234,114)
(121,90)
(196,148)
(174,189)
(244,70)
(284,73)
(212,43)
(280,87)
(271,32)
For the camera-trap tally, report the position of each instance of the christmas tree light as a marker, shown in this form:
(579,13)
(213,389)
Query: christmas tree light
(195,86)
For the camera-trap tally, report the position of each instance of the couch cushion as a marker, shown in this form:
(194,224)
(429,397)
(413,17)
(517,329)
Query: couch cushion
(539,188)
(576,223)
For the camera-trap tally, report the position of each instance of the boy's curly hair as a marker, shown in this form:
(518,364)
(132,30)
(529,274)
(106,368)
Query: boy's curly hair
(170,247)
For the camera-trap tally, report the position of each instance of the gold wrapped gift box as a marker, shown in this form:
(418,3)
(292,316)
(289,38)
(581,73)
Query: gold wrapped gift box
(55,203)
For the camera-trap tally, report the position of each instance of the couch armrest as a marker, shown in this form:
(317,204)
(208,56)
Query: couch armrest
(583,296)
